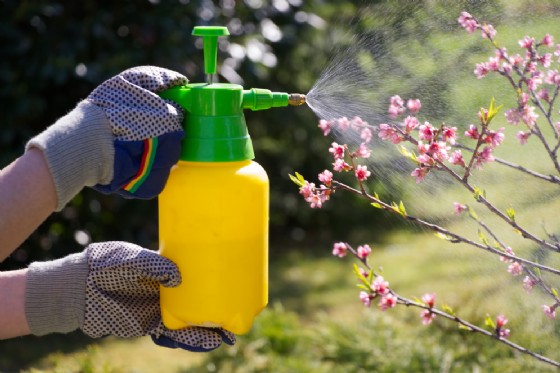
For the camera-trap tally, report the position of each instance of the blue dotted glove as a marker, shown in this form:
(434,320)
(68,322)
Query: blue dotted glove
(111,288)
(123,138)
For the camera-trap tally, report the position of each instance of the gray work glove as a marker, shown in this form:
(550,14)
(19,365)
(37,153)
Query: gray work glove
(123,138)
(110,288)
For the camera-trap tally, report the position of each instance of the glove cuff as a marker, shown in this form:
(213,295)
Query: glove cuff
(55,295)
(79,151)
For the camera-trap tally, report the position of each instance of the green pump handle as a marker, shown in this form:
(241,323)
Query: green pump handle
(214,124)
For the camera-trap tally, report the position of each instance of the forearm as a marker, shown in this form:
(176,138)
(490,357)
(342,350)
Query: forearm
(27,198)
(12,304)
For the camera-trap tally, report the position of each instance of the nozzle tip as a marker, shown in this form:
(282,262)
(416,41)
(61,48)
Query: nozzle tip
(296,99)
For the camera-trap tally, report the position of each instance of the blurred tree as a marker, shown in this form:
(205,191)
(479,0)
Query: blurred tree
(55,52)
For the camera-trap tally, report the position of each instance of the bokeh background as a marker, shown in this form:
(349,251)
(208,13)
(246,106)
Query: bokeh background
(53,53)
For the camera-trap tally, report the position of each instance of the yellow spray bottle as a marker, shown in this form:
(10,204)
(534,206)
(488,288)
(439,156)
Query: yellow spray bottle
(213,212)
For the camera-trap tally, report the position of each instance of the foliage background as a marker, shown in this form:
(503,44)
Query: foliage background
(55,52)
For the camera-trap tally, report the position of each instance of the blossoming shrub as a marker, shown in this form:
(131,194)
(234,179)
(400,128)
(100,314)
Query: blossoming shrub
(534,77)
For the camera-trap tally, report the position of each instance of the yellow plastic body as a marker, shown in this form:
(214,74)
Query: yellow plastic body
(213,223)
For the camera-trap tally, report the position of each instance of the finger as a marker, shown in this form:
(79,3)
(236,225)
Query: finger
(195,339)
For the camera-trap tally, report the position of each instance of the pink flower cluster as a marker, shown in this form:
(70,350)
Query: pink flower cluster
(379,288)
(524,67)
(502,332)
(428,315)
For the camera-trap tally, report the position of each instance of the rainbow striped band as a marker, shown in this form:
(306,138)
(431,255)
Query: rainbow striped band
(150,147)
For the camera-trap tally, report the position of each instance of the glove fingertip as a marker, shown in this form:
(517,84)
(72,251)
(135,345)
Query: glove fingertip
(227,336)
(164,341)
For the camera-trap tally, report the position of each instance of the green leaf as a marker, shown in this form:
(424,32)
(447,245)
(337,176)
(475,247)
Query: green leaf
(443,236)
(448,309)
(489,322)
(298,179)
(360,276)
(376,204)
(408,154)
(402,209)
(554,291)
(367,289)
(478,193)
(511,213)
(537,271)
(492,111)
(472,214)
(464,327)
(483,238)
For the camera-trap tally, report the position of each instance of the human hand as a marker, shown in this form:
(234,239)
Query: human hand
(123,138)
(111,288)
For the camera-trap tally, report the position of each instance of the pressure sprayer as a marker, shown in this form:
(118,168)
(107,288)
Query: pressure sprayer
(213,212)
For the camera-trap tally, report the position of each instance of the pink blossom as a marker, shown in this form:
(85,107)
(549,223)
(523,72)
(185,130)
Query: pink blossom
(325,126)
(358,122)
(513,116)
(449,134)
(493,64)
(488,31)
(524,99)
(495,138)
(363,151)
(543,95)
(340,249)
(426,131)
(549,311)
(472,132)
(534,82)
(548,40)
(545,59)
(429,299)
(362,173)
(380,286)
(426,159)
(552,77)
(516,60)
(410,123)
(484,156)
(386,132)
(307,189)
(337,150)
(456,158)
(529,116)
(438,151)
(414,105)
(363,251)
(515,268)
(508,251)
(459,208)
(326,177)
(343,124)
(316,200)
(365,298)
(420,173)
(339,165)
(528,284)
(501,321)
(467,22)
(523,137)
(506,68)
(526,42)
(388,301)
(396,107)
(366,135)
(481,70)
(427,317)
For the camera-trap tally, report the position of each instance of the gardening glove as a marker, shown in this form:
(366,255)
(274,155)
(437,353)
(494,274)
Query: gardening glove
(110,288)
(123,138)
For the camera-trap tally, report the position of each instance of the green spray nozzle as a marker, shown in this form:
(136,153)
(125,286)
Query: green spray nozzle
(210,36)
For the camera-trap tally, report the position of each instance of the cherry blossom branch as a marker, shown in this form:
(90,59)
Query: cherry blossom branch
(449,236)
(374,285)
(549,178)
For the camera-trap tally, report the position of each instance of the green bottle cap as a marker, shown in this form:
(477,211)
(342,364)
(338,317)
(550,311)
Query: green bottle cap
(210,36)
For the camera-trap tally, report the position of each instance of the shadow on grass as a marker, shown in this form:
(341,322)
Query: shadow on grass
(25,352)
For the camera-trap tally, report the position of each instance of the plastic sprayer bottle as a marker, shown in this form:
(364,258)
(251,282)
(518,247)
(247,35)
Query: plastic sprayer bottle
(213,212)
